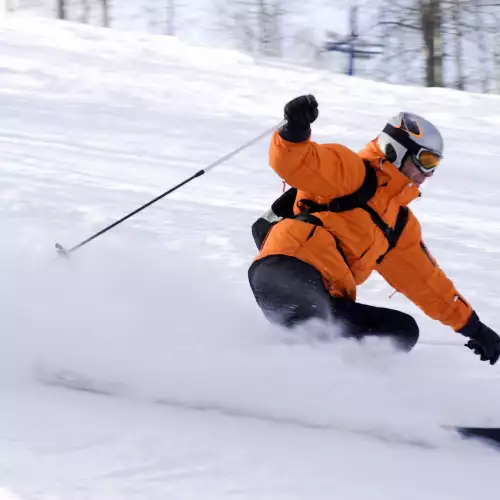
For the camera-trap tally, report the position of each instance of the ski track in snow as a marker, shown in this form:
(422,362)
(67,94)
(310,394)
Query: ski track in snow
(96,123)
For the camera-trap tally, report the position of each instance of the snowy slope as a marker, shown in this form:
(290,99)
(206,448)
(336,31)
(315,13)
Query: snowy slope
(95,123)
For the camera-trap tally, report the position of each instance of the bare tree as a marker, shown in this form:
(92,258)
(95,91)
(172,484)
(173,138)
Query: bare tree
(268,27)
(496,51)
(161,16)
(105,13)
(170,17)
(470,28)
(432,32)
(85,11)
(492,42)
(254,24)
(412,33)
(458,36)
(481,44)
(61,9)
(399,28)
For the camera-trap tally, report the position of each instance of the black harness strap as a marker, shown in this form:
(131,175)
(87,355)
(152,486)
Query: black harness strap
(306,216)
(350,201)
(359,199)
(377,220)
(395,233)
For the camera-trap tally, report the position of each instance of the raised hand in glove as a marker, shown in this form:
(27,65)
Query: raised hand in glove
(300,113)
(483,340)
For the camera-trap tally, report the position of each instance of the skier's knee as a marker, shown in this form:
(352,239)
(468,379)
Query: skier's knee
(408,333)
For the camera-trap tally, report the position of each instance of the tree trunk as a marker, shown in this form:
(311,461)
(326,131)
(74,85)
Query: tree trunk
(458,35)
(496,52)
(171,17)
(431,21)
(482,45)
(384,39)
(263,28)
(61,9)
(276,29)
(105,13)
(268,19)
(85,11)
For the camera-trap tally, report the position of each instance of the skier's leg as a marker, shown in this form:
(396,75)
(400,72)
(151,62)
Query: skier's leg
(288,290)
(361,321)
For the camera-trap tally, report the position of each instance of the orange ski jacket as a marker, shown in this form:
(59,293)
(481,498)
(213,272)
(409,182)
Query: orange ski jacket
(345,247)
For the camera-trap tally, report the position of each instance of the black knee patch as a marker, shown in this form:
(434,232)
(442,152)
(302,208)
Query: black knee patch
(407,332)
(288,290)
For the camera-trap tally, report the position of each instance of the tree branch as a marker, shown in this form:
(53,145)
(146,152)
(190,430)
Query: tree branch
(398,24)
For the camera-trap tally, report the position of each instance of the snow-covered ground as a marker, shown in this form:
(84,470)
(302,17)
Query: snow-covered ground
(211,401)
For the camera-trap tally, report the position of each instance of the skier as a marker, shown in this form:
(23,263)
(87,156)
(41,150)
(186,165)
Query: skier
(345,216)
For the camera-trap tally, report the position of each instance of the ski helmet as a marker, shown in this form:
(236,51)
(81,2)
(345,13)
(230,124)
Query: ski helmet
(411,135)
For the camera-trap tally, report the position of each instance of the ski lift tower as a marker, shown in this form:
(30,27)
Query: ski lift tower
(352,45)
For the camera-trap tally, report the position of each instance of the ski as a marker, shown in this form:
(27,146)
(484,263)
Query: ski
(490,434)
(67,379)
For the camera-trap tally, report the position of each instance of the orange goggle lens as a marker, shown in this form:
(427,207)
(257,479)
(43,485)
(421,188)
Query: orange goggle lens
(427,161)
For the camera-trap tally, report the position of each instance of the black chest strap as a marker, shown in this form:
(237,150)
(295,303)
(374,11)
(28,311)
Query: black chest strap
(359,199)
(393,235)
(350,201)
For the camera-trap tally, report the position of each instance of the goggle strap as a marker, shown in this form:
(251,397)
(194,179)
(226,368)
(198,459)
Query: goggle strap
(402,137)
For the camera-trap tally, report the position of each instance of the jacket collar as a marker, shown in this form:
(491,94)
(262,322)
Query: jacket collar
(401,184)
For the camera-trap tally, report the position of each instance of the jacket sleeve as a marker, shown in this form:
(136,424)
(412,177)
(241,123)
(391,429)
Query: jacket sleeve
(325,170)
(410,269)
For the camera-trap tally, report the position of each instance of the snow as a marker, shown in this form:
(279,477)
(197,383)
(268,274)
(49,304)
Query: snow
(211,401)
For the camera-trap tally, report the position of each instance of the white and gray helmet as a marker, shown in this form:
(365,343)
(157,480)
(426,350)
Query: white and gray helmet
(409,134)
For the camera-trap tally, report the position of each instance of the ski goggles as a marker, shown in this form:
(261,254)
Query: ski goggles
(426,161)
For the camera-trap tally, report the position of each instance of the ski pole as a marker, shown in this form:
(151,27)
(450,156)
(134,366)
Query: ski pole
(65,252)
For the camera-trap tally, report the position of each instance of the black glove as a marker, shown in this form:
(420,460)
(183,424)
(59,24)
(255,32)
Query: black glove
(300,113)
(484,341)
